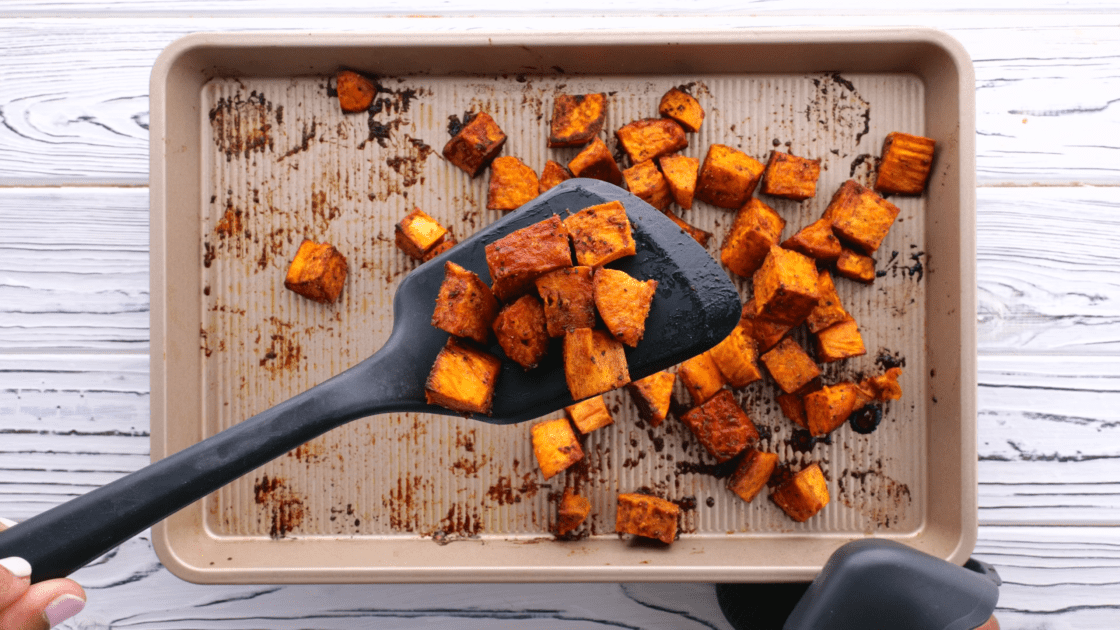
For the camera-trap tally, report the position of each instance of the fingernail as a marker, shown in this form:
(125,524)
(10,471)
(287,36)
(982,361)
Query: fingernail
(18,566)
(7,523)
(63,608)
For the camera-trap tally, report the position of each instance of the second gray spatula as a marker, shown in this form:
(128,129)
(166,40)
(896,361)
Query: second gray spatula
(695,307)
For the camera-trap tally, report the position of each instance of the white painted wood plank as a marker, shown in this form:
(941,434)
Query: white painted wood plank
(75,105)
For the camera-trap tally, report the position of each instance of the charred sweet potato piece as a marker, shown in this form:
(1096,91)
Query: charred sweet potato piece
(790,176)
(829,407)
(700,236)
(680,172)
(804,494)
(645,182)
(752,474)
(855,266)
(589,414)
(623,302)
(601,234)
(447,243)
(816,240)
(727,177)
(463,378)
(417,233)
(521,331)
(701,377)
(318,272)
(722,426)
(828,310)
(596,162)
(683,108)
(553,174)
(512,184)
(790,366)
(569,299)
(650,138)
(653,396)
(905,165)
(756,228)
(647,516)
(522,256)
(576,119)
(793,407)
(840,341)
(573,511)
(465,307)
(355,92)
(594,363)
(859,216)
(555,445)
(476,144)
(785,286)
(736,358)
(885,386)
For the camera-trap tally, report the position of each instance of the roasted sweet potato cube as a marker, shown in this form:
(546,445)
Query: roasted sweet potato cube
(680,172)
(829,407)
(790,176)
(790,366)
(355,92)
(766,333)
(573,511)
(855,266)
(804,494)
(793,407)
(785,286)
(700,236)
(701,377)
(683,108)
(596,162)
(447,243)
(653,396)
(860,217)
(650,138)
(601,234)
(569,299)
(840,341)
(576,119)
(829,310)
(512,184)
(589,414)
(727,177)
(756,228)
(736,358)
(722,426)
(647,516)
(553,174)
(465,307)
(885,386)
(816,240)
(318,272)
(645,182)
(476,144)
(522,256)
(594,363)
(555,445)
(905,165)
(463,378)
(752,474)
(417,233)
(521,331)
(623,302)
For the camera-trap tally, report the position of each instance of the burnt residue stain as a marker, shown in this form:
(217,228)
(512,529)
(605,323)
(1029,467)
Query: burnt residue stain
(896,266)
(836,107)
(866,165)
(887,359)
(457,524)
(306,137)
(874,494)
(283,351)
(275,244)
(390,102)
(503,491)
(230,224)
(802,441)
(322,211)
(455,125)
(866,419)
(403,504)
(242,125)
(309,453)
(205,342)
(208,254)
(284,508)
(410,165)
(719,471)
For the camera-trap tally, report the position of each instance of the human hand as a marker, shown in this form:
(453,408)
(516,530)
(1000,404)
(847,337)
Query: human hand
(24,606)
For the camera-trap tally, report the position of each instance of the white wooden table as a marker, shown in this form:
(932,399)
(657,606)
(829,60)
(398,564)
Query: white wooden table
(74,343)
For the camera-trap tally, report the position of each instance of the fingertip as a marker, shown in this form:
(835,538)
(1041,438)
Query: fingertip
(17,566)
(62,608)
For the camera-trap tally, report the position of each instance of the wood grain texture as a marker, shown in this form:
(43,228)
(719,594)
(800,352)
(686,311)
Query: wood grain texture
(75,105)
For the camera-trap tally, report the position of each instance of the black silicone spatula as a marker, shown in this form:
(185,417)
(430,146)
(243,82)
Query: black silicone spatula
(694,308)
